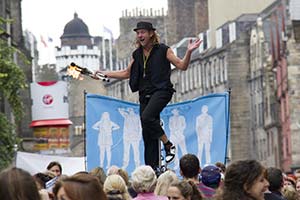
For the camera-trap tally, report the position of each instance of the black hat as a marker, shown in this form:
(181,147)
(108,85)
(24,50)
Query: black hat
(144,25)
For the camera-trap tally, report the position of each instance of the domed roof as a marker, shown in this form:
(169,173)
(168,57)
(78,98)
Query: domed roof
(76,28)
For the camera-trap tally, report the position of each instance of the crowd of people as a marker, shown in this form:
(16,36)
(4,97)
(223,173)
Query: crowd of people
(241,180)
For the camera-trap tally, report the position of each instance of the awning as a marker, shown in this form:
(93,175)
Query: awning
(50,122)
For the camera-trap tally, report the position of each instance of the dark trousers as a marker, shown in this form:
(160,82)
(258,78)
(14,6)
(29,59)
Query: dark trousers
(150,108)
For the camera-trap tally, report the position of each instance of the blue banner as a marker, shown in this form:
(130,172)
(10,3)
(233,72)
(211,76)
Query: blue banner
(114,135)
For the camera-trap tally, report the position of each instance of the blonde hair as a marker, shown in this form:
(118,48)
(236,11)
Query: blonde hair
(143,179)
(290,193)
(155,39)
(99,173)
(164,181)
(115,187)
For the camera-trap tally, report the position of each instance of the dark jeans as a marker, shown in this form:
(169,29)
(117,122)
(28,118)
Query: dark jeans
(150,108)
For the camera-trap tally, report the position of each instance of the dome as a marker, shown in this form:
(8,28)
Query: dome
(76,28)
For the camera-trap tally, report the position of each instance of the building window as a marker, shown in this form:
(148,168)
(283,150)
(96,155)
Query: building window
(78,130)
(186,78)
(195,74)
(221,70)
(182,82)
(217,71)
(191,77)
(206,76)
(225,69)
(209,78)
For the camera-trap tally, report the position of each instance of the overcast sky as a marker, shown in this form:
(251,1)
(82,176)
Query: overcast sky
(47,18)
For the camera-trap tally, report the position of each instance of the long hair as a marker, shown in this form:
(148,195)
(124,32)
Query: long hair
(239,177)
(188,189)
(155,39)
(99,173)
(81,187)
(17,184)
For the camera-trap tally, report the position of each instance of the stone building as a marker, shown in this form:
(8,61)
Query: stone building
(293,77)
(186,18)
(77,46)
(14,36)
(31,44)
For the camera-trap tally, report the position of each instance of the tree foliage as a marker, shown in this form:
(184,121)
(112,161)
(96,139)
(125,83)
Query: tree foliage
(7,142)
(12,81)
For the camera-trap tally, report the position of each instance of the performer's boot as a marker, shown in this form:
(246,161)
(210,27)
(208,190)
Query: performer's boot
(170,150)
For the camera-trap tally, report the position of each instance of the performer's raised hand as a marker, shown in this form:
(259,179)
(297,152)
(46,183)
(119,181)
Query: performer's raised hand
(194,44)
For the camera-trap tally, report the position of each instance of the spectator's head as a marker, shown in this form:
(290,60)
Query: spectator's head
(164,181)
(189,166)
(221,166)
(112,170)
(55,167)
(211,176)
(298,186)
(245,179)
(79,187)
(115,188)
(99,173)
(297,173)
(16,183)
(275,178)
(290,193)
(185,190)
(143,179)
(124,175)
(289,179)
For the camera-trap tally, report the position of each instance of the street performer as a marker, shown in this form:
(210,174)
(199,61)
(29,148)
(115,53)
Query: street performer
(149,73)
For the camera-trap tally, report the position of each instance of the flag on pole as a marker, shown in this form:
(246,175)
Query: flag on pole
(43,42)
(108,31)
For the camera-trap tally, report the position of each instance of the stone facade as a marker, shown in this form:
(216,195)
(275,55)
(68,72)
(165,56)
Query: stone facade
(186,18)
(12,10)
(293,47)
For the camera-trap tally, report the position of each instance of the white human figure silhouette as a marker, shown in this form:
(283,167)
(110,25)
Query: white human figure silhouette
(177,125)
(132,135)
(105,127)
(204,126)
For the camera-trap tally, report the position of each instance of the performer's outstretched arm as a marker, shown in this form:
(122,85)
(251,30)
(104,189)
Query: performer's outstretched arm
(183,63)
(120,74)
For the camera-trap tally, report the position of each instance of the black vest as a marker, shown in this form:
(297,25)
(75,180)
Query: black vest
(157,63)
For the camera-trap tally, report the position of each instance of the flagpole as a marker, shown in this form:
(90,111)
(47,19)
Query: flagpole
(110,54)
(103,53)
(84,128)
(227,128)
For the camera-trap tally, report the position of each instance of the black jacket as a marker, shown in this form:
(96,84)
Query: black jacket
(274,196)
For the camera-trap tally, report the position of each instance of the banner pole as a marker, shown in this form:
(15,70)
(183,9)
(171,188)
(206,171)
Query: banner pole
(227,128)
(84,130)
